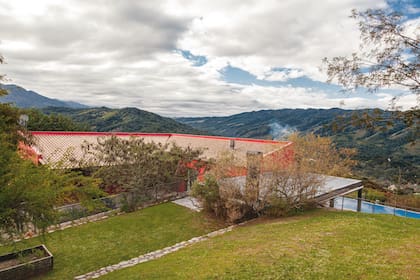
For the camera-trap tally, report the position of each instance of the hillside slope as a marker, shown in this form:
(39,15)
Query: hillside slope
(126,119)
(23,98)
(318,245)
(385,153)
(267,123)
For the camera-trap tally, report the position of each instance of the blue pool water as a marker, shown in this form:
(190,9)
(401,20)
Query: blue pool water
(367,207)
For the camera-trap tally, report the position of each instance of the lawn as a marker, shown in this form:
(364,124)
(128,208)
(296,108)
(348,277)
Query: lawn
(81,249)
(318,245)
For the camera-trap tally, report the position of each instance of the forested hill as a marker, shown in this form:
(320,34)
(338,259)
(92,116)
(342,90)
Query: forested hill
(126,119)
(267,123)
(67,115)
(386,153)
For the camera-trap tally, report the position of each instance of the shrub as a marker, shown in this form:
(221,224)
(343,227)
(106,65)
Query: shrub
(280,189)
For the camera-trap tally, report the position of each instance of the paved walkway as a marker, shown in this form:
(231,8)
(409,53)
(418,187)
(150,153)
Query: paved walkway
(189,202)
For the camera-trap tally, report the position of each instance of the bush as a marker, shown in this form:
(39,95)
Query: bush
(209,195)
(280,207)
(272,185)
(373,195)
(225,201)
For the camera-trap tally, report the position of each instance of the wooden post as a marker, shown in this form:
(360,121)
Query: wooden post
(359,200)
(332,203)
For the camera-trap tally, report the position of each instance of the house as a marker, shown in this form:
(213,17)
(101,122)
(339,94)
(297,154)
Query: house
(65,148)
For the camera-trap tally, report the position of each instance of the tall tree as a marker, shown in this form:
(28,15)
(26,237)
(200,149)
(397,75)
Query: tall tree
(29,193)
(389,56)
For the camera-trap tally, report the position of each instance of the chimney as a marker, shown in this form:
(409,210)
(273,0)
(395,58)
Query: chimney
(254,161)
(232,144)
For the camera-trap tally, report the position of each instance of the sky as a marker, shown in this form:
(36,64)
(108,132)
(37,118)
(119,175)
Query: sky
(188,58)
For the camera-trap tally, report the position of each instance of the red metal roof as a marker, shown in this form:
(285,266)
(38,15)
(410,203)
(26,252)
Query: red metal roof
(89,133)
(53,146)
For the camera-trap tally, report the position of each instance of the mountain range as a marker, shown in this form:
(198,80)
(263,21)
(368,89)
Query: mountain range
(123,120)
(386,153)
(23,98)
(275,124)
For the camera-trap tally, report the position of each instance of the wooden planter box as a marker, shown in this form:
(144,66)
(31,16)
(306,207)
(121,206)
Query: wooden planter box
(25,264)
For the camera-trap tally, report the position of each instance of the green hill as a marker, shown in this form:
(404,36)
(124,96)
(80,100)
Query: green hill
(126,119)
(266,123)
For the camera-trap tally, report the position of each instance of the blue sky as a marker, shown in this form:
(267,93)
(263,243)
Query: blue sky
(189,58)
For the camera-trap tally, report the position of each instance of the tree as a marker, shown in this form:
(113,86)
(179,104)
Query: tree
(25,200)
(389,57)
(39,121)
(144,170)
(29,193)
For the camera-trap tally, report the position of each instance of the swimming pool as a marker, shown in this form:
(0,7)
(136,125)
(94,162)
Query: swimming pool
(368,207)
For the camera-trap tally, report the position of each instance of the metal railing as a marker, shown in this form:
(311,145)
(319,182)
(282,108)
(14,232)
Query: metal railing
(163,192)
(375,207)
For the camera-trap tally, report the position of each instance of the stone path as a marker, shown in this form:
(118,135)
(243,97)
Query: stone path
(151,256)
(189,202)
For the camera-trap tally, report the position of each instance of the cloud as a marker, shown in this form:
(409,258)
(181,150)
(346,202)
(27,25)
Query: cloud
(257,38)
(168,56)
(122,30)
(283,75)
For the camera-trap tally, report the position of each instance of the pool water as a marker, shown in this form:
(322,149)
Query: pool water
(367,207)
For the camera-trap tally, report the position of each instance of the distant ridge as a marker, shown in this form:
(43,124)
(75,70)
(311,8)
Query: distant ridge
(122,120)
(386,153)
(23,98)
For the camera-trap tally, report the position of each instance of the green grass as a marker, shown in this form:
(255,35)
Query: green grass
(85,248)
(318,245)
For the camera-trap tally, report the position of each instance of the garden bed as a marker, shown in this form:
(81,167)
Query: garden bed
(26,263)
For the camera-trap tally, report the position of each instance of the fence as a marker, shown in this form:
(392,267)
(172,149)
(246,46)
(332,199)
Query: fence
(375,207)
(158,193)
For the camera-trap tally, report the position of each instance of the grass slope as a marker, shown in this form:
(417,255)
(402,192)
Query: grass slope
(318,245)
(89,247)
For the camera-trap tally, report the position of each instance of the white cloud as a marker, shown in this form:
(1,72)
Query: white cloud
(257,37)
(283,75)
(122,54)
